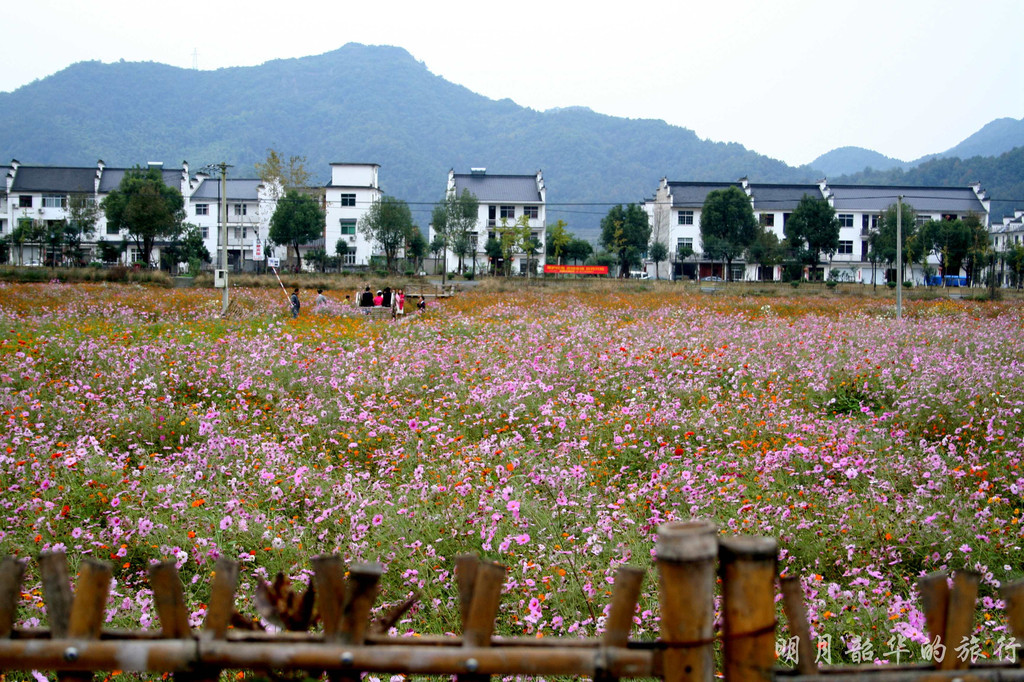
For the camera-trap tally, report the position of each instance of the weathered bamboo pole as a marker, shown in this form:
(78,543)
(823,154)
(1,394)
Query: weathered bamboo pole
(625,596)
(465,577)
(960,618)
(53,567)
(12,572)
(796,614)
(222,599)
(934,589)
(488,579)
(747,566)
(686,552)
(180,655)
(1013,595)
(88,606)
(169,599)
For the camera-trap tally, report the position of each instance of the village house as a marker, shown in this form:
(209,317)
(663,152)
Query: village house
(674,213)
(505,200)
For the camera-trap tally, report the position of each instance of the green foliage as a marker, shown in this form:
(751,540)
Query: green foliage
(145,208)
(578,250)
(658,254)
(453,217)
(626,232)
(558,240)
(812,230)
(188,247)
(388,222)
(297,220)
(766,250)
(727,225)
(884,242)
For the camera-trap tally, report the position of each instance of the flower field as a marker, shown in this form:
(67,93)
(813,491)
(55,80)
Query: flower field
(551,433)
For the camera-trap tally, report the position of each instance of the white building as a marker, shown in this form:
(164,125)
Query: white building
(350,193)
(504,200)
(675,219)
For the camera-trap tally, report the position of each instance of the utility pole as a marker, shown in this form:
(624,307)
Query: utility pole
(224,230)
(899,257)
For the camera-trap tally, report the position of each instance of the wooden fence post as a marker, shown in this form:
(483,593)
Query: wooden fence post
(220,609)
(488,580)
(12,572)
(88,607)
(1013,595)
(959,618)
(796,614)
(686,553)
(56,591)
(747,566)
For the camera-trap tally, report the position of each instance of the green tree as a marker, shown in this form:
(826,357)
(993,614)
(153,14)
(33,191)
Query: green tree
(83,214)
(978,251)
(5,248)
(110,252)
(812,230)
(625,231)
(416,249)
(766,251)
(949,241)
(658,254)
(189,247)
(389,224)
(1014,259)
(727,225)
(437,248)
(578,250)
(297,220)
(455,216)
(341,248)
(885,244)
(145,208)
(558,239)
(493,251)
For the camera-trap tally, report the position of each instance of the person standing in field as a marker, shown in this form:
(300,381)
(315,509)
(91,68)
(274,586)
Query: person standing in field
(320,305)
(295,303)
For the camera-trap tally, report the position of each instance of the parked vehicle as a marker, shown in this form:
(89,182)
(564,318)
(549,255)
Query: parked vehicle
(638,274)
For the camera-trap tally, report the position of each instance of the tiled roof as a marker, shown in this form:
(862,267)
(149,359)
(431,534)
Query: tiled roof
(491,188)
(921,199)
(54,179)
(112,178)
(241,189)
(781,197)
(692,194)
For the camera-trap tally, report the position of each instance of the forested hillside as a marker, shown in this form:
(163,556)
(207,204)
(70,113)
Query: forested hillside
(377,104)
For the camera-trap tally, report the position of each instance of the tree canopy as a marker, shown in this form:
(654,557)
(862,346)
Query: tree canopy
(145,208)
(812,229)
(297,220)
(452,218)
(727,225)
(625,232)
(388,222)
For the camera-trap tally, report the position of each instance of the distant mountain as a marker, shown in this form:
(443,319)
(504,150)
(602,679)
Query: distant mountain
(359,104)
(847,160)
(996,137)
(1001,176)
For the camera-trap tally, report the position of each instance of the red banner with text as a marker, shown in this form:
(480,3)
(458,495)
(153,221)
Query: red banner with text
(575,269)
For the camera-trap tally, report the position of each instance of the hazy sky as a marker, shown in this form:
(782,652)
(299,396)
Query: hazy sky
(788,78)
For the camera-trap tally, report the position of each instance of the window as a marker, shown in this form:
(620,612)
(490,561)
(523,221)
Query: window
(684,243)
(205,231)
(112,230)
(348,199)
(767,220)
(25,201)
(202,209)
(492,216)
(348,226)
(845,246)
(54,200)
(922,219)
(240,209)
(686,217)
(349,258)
(507,212)
(531,212)
(845,219)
